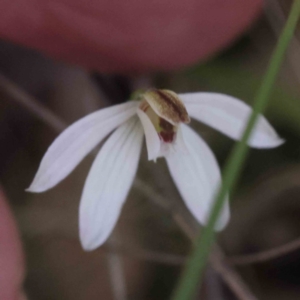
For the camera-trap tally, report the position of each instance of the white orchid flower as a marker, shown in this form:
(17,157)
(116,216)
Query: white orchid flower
(160,115)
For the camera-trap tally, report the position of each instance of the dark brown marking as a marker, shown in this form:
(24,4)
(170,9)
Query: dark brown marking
(167,133)
(165,125)
(170,101)
(167,137)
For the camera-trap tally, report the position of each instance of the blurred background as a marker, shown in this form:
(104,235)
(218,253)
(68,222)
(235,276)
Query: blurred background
(56,67)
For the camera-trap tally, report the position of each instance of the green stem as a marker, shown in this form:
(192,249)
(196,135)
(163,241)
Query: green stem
(196,264)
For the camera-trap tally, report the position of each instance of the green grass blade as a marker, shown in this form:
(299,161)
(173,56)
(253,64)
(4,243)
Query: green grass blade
(193,272)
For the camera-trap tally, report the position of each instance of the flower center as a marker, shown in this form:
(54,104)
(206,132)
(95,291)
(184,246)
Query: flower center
(167,105)
(166,111)
(165,130)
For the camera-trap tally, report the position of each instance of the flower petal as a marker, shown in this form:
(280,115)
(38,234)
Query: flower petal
(74,143)
(180,142)
(197,177)
(230,115)
(108,183)
(152,139)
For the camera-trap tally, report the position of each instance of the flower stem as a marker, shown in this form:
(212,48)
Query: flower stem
(196,264)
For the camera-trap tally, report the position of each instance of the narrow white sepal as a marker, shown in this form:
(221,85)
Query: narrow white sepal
(229,116)
(197,177)
(74,143)
(108,184)
(152,139)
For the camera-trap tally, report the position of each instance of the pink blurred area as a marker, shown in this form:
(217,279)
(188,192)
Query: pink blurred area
(11,257)
(127,36)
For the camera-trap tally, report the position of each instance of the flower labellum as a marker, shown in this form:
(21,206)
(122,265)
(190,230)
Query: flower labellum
(165,111)
(160,115)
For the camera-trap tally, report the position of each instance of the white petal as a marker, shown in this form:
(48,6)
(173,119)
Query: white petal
(152,139)
(108,183)
(230,115)
(180,143)
(74,143)
(197,177)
